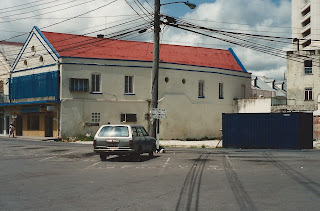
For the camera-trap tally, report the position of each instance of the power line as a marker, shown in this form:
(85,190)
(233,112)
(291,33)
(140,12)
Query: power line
(22,5)
(16,19)
(68,19)
(238,39)
(30,6)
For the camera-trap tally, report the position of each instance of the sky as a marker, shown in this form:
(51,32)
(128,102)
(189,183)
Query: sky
(92,17)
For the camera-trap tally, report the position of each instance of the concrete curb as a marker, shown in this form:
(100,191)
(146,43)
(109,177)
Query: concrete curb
(195,144)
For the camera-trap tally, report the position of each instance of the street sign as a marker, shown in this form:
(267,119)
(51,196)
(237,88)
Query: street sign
(158,113)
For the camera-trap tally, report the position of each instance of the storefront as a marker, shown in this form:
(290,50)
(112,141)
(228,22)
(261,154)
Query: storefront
(36,120)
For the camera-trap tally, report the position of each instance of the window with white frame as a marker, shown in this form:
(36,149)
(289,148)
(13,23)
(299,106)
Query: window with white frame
(308,67)
(95,82)
(201,89)
(95,117)
(308,94)
(128,84)
(220,90)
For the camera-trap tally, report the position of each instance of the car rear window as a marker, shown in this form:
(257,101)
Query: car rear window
(114,131)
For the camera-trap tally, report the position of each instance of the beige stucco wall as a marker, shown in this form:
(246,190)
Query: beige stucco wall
(253,105)
(187,115)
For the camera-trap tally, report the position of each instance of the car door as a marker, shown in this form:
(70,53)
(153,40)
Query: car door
(148,143)
(138,138)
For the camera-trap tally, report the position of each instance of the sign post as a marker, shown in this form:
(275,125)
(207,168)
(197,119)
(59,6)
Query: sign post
(158,113)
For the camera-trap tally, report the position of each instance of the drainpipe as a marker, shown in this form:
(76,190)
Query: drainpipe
(59,109)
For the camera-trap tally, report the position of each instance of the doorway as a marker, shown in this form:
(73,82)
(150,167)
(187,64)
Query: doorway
(19,126)
(48,126)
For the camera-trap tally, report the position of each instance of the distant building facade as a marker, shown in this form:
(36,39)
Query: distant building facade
(65,85)
(268,95)
(303,62)
(306,23)
(8,53)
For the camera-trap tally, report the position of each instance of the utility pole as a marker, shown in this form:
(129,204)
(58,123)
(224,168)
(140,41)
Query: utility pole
(155,68)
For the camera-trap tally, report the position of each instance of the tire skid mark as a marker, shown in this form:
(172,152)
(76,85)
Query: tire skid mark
(304,181)
(242,197)
(190,191)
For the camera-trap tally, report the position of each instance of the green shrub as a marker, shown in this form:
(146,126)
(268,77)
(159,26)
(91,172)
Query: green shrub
(84,138)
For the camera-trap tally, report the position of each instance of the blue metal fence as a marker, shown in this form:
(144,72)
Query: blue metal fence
(35,85)
(268,130)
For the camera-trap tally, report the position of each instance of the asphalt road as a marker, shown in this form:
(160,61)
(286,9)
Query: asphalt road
(36,175)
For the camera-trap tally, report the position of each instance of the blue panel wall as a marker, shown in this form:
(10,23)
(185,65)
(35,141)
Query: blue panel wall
(35,85)
(268,130)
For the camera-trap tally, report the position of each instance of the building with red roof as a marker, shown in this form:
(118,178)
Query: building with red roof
(63,85)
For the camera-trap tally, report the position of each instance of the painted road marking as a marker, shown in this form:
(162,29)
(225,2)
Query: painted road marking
(92,165)
(55,156)
(166,163)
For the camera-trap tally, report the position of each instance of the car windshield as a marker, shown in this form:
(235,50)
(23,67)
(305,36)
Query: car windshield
(114,131)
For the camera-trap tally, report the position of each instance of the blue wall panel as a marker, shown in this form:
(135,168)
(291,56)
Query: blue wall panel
(268,130)
(35,85)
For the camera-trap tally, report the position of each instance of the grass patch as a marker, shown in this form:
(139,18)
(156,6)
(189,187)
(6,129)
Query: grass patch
(78,138)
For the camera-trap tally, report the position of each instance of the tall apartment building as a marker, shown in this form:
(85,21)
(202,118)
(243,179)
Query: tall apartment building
(303,62)
(306,23)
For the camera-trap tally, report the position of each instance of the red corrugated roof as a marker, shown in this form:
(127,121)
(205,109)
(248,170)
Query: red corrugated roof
(68,45)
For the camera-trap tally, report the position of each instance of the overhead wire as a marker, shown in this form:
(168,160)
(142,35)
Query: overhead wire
(30,6)
(143,9)
(135,10)
(65,20)
(23,18)
(238,39)
(21,5)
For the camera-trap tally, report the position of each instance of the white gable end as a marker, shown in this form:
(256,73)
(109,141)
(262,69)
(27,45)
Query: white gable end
(36,55)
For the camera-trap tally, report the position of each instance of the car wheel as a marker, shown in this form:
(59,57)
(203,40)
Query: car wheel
(103,157)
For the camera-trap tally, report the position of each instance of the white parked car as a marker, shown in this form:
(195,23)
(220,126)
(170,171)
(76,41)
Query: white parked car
(121,140)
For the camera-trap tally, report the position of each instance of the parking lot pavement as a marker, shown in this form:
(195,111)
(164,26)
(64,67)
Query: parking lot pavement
(68,176)
(164,143)
(196,144)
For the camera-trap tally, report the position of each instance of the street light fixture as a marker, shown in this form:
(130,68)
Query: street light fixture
(155,66)
(190,5)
